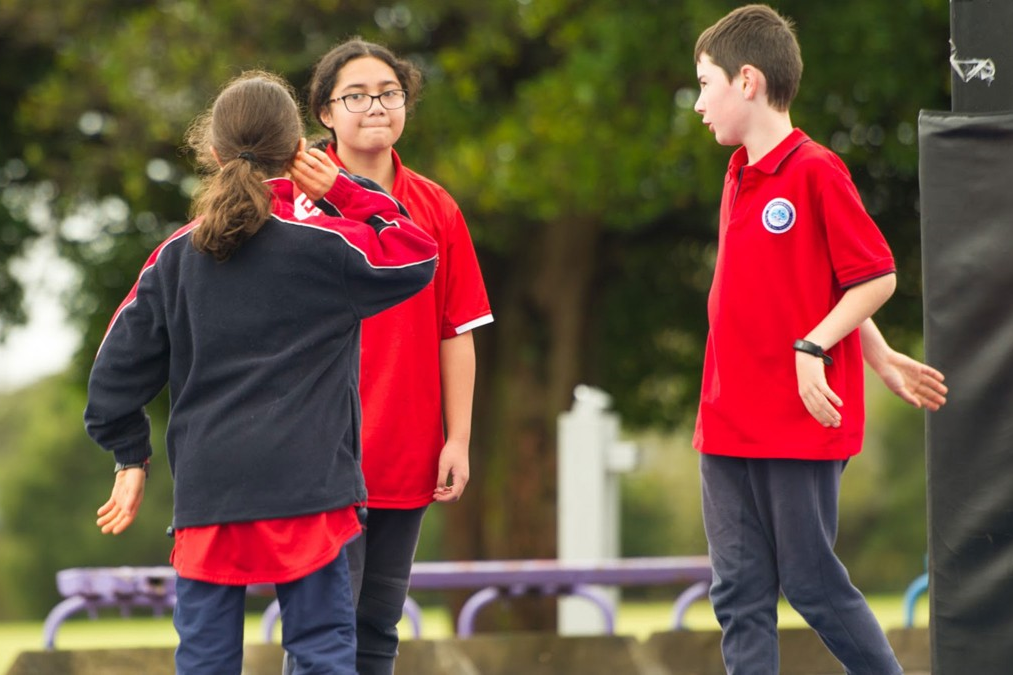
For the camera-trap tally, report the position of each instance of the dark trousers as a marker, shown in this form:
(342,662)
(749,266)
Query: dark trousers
(771,527)
(380,564)
(318,629)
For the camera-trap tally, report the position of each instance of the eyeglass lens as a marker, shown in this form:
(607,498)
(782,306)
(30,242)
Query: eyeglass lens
(391,99)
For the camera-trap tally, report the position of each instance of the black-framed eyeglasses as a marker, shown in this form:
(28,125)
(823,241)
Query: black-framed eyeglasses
(392,99)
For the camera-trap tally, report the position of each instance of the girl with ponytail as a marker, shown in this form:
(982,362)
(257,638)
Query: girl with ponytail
(237,148)
(251,315)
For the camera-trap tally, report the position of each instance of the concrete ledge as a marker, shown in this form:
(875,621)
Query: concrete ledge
(551,654)
(434,657)
(687,652)
(699,653)
(668,653)
(802,652)
(913,648)
(150,661)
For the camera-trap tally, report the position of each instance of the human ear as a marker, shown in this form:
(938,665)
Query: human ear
(325,118)
(751,80)
(218,159)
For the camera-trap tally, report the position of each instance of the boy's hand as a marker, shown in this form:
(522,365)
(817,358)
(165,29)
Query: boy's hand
(919,384)
(819,399)
(314,172)
(128,492)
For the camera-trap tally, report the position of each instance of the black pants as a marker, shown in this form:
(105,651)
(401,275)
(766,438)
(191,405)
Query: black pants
(380,563)
(379,566)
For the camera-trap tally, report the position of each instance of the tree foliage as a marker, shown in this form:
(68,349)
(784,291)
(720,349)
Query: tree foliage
(50,490)
(565,130)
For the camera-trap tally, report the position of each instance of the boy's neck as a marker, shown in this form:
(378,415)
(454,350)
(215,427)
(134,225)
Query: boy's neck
(377,167)
(767,132)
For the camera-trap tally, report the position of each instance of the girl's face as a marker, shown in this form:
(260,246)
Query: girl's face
(377,129)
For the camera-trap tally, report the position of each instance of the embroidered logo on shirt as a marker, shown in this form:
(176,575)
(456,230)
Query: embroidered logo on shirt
(778,215)
(304,208)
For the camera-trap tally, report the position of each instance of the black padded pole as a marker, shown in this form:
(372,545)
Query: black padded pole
(966,174)
(966,181)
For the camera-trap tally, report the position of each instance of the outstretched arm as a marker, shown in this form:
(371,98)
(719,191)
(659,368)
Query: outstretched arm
(919,384)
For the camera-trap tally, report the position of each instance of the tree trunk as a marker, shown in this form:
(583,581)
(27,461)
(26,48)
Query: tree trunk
(529,364)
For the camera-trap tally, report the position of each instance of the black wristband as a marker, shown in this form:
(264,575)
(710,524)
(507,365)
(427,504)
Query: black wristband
(814,349)
(146,465)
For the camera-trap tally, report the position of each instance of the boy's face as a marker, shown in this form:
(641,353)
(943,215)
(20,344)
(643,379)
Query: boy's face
(721,103)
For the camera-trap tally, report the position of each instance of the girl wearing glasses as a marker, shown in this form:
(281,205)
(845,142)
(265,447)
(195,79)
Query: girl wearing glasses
(418,359)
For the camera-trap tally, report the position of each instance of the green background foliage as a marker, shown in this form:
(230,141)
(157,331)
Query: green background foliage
(564,129)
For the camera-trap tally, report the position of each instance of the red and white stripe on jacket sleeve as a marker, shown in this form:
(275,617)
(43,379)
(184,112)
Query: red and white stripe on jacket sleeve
(131,297)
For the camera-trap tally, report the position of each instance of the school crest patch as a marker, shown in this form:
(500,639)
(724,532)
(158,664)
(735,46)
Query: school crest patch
(778,215)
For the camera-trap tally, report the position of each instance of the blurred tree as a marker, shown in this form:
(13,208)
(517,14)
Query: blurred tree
(52,481)
(565,129)
(25,60)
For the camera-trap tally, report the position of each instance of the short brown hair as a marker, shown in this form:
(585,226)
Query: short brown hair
(756,35)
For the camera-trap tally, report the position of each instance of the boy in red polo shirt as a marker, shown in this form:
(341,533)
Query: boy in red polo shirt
(801,268)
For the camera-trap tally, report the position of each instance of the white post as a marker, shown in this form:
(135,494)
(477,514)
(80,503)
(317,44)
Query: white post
(590,459)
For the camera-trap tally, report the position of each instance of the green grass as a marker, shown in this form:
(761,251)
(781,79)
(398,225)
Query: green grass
(639,619)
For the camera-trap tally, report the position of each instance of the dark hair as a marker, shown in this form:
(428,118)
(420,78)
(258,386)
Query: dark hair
(758,36)
(327,69)
(254,126)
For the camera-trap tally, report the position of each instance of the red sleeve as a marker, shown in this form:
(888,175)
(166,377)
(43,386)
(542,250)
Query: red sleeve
(467,303)
(858,250)
(391,257)
(359,198)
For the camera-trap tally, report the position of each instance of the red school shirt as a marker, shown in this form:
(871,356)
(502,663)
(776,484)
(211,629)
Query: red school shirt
(400,388)
(275,550)
(793,237)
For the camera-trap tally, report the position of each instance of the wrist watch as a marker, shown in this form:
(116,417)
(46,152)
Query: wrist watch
(814,349)
(146,465)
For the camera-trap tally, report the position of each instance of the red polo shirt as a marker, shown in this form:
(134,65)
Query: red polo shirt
(400,381)
(793,236)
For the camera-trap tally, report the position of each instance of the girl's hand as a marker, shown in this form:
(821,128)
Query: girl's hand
(314,172)
(128,492)
(453,472)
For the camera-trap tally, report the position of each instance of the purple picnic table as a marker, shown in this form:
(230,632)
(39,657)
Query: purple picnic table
(511,578)
(92,588)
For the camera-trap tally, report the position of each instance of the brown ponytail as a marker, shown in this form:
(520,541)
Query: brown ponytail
(250,133)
